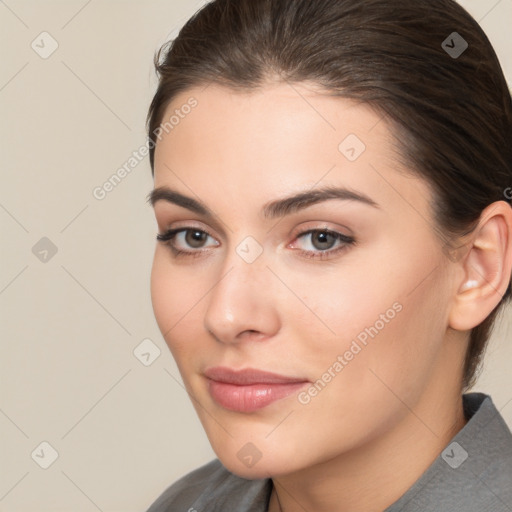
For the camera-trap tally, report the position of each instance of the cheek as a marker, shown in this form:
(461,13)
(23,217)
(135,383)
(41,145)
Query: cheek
(385,320)
(342,302)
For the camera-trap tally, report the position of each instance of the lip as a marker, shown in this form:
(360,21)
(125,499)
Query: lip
(249,389)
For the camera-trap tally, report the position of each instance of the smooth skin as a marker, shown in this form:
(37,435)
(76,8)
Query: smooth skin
(371,432)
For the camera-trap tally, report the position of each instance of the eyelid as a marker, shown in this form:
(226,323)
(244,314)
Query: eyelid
(341,237)
(167,214)
(186,225)
(307,227)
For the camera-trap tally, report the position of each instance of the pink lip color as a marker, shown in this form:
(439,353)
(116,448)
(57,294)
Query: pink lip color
(249,390)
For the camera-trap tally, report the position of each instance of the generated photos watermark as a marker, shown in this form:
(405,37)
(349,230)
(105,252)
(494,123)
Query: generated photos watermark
(101,191)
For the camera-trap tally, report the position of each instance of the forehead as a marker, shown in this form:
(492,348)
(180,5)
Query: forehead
(273,105)
(278,120)
(278,138)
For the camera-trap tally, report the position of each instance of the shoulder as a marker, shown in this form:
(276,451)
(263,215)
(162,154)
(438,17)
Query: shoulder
(489,453)
(474,471)
(215,485)
(185,491)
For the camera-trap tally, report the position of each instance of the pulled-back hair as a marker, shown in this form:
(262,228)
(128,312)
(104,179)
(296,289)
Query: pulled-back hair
(451,114)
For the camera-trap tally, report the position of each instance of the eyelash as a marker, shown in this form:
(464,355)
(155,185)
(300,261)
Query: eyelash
(169,235)
(346,241)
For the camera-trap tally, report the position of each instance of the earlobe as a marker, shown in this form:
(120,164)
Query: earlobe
(486,268)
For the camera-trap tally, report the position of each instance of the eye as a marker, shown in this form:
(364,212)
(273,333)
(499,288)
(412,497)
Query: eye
(321,243)
(182,240)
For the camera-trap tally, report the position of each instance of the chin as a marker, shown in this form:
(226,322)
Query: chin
(257,460)
(260,470)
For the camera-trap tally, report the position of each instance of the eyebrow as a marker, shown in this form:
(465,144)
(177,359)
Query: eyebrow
(272,209)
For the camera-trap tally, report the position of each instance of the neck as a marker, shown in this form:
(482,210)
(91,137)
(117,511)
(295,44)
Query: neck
(372,477)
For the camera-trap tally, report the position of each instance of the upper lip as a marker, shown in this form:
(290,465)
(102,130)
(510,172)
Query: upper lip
(248,376)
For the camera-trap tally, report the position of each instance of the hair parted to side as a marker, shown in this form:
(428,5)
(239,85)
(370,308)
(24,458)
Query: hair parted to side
(451,117)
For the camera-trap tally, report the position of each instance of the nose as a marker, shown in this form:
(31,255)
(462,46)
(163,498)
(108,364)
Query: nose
(241,305)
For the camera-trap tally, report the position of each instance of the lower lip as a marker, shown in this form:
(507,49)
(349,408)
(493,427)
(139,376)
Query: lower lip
(251,397)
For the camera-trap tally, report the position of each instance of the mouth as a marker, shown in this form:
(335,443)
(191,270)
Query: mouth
(249,390)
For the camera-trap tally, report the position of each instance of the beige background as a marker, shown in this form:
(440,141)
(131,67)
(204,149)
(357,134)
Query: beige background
(69,325)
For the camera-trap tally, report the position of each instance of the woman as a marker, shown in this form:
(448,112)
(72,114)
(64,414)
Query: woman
(334,243)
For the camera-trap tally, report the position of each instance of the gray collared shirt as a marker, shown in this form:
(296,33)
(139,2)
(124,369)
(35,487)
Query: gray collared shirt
(472,474)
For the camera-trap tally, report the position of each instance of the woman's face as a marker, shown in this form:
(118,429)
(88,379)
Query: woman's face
(343,296)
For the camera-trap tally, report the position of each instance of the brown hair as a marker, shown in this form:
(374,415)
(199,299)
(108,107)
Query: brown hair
(452,114)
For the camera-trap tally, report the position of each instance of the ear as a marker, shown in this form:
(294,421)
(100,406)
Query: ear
(485,269)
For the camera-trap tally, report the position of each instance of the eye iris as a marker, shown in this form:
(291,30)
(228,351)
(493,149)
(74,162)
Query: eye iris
(323,240)
(195,238)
